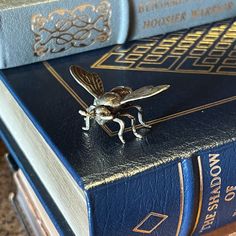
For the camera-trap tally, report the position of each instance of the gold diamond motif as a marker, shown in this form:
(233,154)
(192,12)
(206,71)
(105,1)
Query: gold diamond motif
(152,216)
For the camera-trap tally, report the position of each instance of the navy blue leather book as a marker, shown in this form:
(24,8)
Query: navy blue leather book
(178,179)
(154,219)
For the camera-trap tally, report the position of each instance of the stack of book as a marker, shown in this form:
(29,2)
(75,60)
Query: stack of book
(179,178)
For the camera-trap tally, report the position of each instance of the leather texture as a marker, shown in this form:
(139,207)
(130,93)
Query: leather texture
(124,176)
(148,203)
(127,22)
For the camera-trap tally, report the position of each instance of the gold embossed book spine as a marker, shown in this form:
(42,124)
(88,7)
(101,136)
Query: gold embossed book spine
(33,31)
(216,188)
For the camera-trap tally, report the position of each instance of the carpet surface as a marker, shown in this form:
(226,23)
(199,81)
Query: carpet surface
(9,224)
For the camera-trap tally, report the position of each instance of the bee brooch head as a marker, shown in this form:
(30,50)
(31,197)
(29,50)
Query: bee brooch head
(112,105)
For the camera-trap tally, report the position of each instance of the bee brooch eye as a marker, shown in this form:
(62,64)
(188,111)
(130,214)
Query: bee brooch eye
(115,104)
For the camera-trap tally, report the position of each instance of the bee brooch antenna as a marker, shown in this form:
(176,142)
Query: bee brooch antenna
(112,105)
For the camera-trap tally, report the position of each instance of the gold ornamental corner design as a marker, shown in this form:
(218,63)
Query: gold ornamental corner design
(64,29)
(208,49)
(160,217)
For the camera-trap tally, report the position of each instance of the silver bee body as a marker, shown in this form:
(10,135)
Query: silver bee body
(109,104)
(112,105)
(114,97)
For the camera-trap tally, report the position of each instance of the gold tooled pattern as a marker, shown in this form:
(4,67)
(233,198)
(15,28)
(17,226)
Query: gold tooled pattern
(209,49)
(160,217)
(181,212)
(200,195)
(163,217)
(64,29)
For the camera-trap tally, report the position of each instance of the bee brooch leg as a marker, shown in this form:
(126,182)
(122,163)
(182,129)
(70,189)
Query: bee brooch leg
(86,119)
(87,123)
(140,116)
(132,119)
(121,131)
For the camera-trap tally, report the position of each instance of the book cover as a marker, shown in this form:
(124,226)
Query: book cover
(56,28)
(156,185)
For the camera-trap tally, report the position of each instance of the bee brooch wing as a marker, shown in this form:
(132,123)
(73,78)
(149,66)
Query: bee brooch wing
(89,81)
(144,92)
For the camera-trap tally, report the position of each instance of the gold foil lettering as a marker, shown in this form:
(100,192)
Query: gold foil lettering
(141,8)
(215,185)
(215,171)
(215,182)
(230,193)
(214,160)
(168,20)
(155,5)
(234,214)
(209,220)
(214,200)
(215,9)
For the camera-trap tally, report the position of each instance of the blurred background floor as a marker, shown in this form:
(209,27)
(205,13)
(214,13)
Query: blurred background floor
(9,224)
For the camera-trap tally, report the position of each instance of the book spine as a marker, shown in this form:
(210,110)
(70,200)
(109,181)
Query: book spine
(159,202)
(59,28)
(51,29)
(155,17)
(217,188)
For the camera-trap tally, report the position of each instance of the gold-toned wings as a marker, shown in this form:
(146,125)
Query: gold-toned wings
(144,92)
(90,81)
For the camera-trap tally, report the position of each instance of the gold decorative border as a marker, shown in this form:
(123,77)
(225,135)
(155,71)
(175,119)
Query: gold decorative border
(137,230)
(99,65)
(200,194)
(151,122)
(203,47)
(63,29)
(181,181)
(164,217)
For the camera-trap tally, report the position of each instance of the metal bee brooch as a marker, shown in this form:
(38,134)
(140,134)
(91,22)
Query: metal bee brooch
(112,105)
